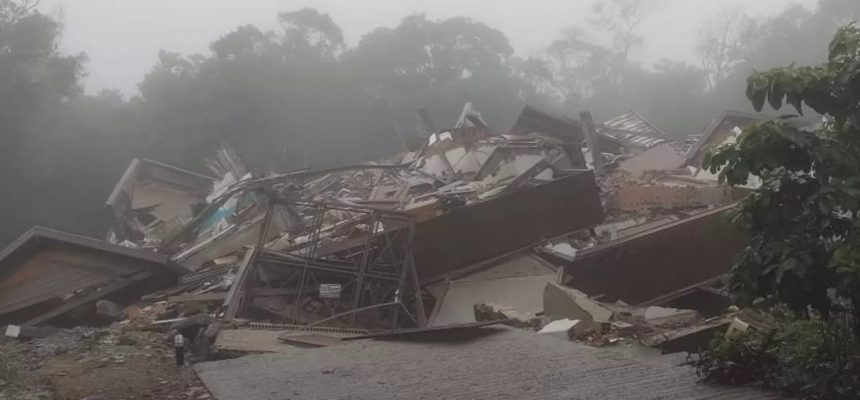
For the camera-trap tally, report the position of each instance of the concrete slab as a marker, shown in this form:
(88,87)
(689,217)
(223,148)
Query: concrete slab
(252,340)
(563,328)
(521,293)
(563,302)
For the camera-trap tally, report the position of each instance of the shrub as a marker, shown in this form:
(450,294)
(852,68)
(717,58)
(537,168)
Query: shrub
(810,358)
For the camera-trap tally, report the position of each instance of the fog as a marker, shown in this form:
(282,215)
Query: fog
(88,85)
(122,38)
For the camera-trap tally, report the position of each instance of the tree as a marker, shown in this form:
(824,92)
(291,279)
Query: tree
(35,83)
(721,45)
(672,96)
(292,97)
(622,19)
(580,66)
(796,35)
(802,223)
(440,65)
(308,35)
(34,77)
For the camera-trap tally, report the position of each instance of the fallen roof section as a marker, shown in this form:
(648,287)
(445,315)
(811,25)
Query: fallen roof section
(153,198)
(718,131)
(43,266)
(660,157)
(633,129)
(560,127)
(502,363)
(633,122)
(142,168)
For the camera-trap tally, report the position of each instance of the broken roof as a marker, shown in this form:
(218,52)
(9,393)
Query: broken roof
(38,236)
(45,264)
(662,157)
(633,129)
(560,127)
(633,122)
(735,118)
(142,168)
(152,198)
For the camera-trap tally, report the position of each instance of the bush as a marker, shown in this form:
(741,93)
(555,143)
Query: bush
(809,358)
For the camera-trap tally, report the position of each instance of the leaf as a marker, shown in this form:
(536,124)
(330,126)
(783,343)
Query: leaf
(758,99)
(795,100)
(750,91)
(777,92)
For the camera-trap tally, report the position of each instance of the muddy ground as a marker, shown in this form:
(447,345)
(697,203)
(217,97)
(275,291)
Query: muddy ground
(91,364)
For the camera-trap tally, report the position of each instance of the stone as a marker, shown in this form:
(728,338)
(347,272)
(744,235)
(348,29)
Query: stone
(736,328)
(126,341)
(662,316)
(565,329)
(561,302)
(622,326)
(110,310)
(493,312)
(691,339)
(13,331)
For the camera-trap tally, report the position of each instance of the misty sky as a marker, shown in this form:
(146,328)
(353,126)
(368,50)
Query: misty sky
(123,37)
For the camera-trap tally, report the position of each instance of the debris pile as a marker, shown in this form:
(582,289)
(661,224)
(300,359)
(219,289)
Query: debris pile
(532,226)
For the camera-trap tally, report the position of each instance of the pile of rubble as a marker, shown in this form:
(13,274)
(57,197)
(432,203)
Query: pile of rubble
(96,364)
(528,221)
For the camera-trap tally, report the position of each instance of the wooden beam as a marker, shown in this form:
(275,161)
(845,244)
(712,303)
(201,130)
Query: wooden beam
(189,298)
(237,291)
(593,143)
(262,292)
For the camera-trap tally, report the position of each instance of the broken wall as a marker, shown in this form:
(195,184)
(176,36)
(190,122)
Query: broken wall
(481,231)
(654,263)
(668,196)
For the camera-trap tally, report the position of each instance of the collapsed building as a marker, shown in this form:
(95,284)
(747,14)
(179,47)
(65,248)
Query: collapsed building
(612,216)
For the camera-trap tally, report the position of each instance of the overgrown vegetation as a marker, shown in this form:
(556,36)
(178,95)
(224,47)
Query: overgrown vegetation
(804,230)
(808,358)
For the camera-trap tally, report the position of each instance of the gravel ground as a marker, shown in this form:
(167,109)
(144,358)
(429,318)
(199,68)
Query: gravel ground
(94,364)
(503,363)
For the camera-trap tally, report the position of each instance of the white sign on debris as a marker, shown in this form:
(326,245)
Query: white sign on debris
(13,330)
(330,290)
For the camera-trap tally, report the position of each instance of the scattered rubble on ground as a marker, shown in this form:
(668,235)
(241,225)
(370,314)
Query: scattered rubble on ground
(97,364)
(603,244)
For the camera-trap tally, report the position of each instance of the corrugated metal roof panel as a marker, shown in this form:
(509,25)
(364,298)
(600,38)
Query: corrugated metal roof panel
(633,129)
